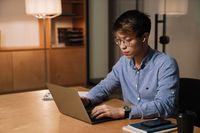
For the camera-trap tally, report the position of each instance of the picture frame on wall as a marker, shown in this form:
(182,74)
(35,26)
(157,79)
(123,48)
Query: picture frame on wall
(59,37)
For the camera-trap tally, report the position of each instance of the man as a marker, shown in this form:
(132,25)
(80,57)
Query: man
(148,78)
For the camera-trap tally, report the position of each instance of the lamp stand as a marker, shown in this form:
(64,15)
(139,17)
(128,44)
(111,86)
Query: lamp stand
(45,52)
(164,39)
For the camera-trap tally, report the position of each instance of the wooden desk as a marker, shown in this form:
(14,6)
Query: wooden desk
(28,113)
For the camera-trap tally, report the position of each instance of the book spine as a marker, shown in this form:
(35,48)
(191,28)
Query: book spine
(136,129)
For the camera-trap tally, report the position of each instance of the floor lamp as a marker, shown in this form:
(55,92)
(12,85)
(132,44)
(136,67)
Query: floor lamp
(44,9)
(167,7)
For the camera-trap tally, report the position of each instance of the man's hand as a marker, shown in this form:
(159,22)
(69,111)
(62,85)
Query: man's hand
(107,111)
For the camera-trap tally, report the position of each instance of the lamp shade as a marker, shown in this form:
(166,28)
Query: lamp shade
(173,7)
(43,8)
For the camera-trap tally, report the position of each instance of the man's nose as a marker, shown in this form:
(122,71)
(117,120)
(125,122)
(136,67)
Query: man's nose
(123,45)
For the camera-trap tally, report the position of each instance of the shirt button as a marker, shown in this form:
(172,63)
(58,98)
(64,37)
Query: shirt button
(138,99)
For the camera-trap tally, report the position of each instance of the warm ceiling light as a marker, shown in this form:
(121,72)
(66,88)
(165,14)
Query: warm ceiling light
(173,7)
(43,8)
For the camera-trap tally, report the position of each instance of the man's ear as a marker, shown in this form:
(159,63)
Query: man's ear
(144,39)
(145,36)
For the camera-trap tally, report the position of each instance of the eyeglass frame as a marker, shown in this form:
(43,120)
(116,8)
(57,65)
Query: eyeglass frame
(126,42)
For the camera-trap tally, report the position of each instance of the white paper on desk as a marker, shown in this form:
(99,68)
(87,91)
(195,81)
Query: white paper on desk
(82,93)
(47,96)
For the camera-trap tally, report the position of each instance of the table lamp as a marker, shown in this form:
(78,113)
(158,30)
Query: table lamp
(167,7)
(44,9)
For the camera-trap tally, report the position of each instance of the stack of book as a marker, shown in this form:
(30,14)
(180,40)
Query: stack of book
(151,126)
(70,36)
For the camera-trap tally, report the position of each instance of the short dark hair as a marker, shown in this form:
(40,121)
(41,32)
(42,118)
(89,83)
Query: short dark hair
(132,21)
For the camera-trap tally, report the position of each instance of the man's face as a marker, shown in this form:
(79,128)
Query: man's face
(130,45)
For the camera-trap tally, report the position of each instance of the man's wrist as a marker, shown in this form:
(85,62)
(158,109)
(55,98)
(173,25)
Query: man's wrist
(127,111)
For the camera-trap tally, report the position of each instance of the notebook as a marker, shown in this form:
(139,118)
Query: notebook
(69,103)
(141,127)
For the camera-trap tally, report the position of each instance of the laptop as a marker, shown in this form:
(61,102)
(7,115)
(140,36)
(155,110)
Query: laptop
(69,103)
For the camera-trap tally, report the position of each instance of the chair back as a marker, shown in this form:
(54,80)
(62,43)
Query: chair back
(188,98)
(189,94)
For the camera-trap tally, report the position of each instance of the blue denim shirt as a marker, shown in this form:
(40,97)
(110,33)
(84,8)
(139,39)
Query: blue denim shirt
(151,91)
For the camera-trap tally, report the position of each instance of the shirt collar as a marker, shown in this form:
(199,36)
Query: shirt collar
(145,60)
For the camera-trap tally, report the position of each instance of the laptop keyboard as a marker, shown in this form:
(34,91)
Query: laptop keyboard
(94,120)
(104,119)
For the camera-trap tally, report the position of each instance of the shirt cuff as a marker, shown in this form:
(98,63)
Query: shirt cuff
(92,99)
(136,112)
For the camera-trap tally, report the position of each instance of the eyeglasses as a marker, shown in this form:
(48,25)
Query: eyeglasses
(127,42)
